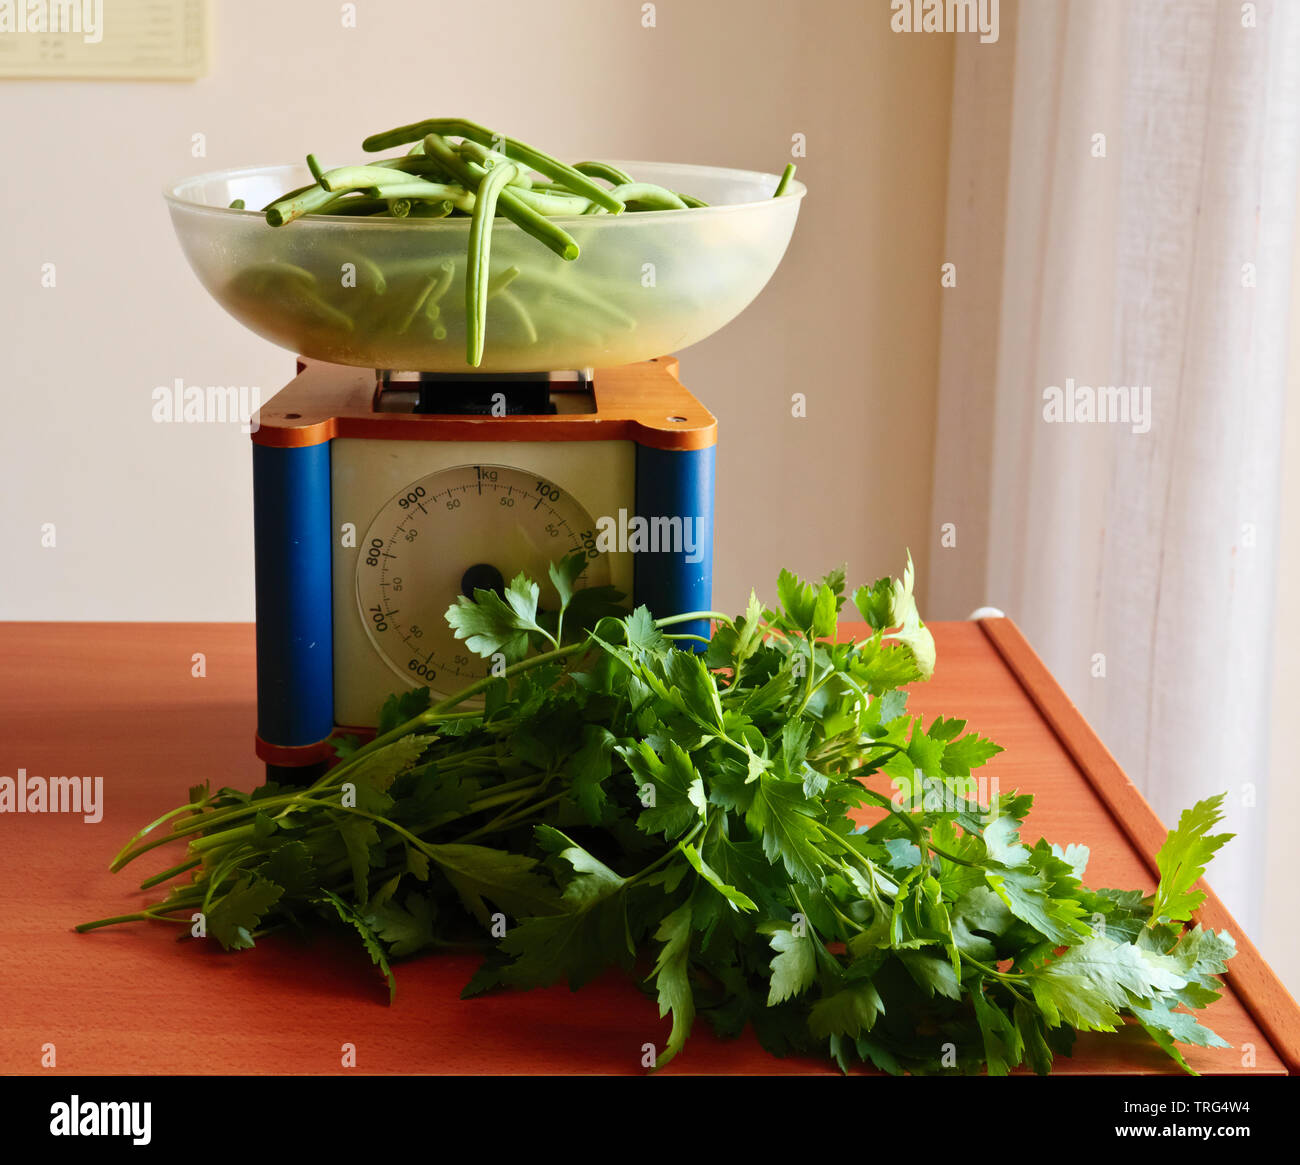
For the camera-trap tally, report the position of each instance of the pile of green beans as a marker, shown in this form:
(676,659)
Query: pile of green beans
(456,167)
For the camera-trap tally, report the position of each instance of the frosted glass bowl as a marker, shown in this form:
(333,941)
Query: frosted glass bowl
(356,291)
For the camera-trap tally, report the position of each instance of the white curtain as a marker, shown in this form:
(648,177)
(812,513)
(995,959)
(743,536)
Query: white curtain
(1122,200)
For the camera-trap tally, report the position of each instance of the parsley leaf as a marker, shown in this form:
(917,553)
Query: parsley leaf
(237,913)
(670,789)
(508,880)
(671,980)
(784,819)
(1092,983)
(1183,858)
(794,968)
(368,938)
(404,930)
(491,623)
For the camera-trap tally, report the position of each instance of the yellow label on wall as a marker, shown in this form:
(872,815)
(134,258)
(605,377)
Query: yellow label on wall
(159,40)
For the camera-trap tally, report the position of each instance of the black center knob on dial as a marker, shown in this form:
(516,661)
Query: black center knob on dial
(482,576)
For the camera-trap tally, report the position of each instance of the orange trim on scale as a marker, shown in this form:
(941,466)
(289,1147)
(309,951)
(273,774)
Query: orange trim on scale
(294,755)
(644,403)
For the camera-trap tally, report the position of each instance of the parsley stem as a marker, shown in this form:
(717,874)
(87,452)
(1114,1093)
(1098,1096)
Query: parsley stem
(888,884)
(518,782)
(659,861)
(149,915)
(501,799)
(1003,977)
(218,875)
(918,833)
(150,883)
(225,837)
(114,867)
(844,918)
(508,820)
(808,688)
(205,821)
(694,616)
(138,916)
(229,813)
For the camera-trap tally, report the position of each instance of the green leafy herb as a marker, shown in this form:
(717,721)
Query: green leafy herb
(1182,861)
(728,818)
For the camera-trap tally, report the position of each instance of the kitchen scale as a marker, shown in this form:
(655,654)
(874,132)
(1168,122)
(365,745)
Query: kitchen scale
(378,499)
(380,496)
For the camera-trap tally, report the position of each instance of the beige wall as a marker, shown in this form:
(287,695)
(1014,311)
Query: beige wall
(153,521)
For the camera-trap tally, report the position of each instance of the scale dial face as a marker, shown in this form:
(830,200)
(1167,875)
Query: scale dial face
(446,534)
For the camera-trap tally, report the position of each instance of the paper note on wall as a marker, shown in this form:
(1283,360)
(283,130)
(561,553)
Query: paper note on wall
(148,40)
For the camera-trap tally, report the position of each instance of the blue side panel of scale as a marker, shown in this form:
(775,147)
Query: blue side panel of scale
(676,484)
(295,630)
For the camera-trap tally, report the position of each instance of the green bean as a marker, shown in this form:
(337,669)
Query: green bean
(288,194)
(296,293)
(363,264)
(325,313)
(408,187)
(446,271)
(512,148)
(418,302)
(548,202)
(612,174)
(238,204)
(408,164)
(359,177)
(453,166)
(575,290)
(524,217)
(499,282)
(359,204)
(567,323)
(431,208)
(482,156)
(649,195)
(521,314)
(479,258)
(309,200)
(257,276)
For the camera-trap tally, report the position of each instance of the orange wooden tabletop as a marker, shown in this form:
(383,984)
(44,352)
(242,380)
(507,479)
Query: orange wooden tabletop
(119,701)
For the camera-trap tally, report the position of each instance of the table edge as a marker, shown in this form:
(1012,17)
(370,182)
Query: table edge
(1251,979)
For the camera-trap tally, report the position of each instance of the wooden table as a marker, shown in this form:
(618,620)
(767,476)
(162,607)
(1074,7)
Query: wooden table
(119,701)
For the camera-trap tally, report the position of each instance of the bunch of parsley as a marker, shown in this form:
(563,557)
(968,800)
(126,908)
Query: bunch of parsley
(623,795)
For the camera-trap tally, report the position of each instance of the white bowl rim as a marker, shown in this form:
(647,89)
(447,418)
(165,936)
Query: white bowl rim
(796,190)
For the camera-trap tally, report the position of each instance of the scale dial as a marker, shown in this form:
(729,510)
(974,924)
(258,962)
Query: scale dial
(447,533)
